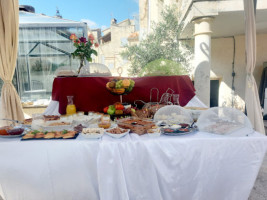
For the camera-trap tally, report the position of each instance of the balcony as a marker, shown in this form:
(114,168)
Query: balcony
(228,16)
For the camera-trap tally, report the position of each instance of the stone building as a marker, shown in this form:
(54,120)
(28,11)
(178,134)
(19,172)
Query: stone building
(216,29)
(113,42)
(150,12)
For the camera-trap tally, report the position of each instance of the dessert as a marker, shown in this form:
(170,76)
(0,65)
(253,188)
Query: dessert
(51,117)
(104,125)
(117,130)
(79,128)
(104,122)
(136,125)
(59,124)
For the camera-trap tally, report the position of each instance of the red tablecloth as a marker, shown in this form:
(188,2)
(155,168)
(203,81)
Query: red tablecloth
(90,93)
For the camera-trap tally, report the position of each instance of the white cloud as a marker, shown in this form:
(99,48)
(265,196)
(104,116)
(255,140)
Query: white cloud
(136,1)
(90,23)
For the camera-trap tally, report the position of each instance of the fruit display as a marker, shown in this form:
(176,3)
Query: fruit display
(118,109)
(120,86)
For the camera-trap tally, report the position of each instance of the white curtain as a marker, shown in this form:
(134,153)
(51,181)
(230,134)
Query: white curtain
(252,97)
(9,27)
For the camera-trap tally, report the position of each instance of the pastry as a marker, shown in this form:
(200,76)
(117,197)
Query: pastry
(69,134)
(139,126)
(58,134)
(28,136)
(49,135)
(39,135)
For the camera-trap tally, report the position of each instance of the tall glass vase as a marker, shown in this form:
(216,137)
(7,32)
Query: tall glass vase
(82,63)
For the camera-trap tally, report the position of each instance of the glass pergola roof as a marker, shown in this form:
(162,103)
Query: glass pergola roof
(44,46)
(34,19)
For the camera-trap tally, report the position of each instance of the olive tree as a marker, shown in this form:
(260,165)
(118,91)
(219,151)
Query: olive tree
(162,43)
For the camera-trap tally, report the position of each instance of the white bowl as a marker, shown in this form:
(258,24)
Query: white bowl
(117,135)
(92,135)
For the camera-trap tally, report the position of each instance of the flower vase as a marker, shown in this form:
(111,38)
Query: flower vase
(82,63)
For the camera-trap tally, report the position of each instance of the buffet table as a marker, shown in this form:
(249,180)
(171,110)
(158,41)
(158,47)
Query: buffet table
(197,166)
(90,93)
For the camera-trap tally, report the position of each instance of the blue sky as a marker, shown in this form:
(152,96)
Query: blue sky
(97,13)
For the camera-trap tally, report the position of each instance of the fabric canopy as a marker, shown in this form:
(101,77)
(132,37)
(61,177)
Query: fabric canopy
(252,97)
(9,27)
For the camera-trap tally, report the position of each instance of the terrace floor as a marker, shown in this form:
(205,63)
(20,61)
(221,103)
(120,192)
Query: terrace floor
(259,191)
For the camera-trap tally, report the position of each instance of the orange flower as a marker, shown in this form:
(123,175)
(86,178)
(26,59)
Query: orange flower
(73,36)
(77,41)
(96,45)
(91,37)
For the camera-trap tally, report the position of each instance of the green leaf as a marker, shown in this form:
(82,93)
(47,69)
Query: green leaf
(35,131)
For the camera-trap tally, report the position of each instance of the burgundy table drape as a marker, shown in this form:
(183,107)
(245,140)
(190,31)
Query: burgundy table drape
(90,93)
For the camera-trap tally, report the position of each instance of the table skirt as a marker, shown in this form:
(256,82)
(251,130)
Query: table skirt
(199,166)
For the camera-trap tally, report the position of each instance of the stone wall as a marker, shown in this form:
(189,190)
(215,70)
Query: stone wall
(221,67)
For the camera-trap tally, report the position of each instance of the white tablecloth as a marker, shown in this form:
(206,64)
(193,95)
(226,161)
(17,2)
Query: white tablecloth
(199,166)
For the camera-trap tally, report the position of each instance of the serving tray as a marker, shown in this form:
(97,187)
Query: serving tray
(178,132)
(73,138)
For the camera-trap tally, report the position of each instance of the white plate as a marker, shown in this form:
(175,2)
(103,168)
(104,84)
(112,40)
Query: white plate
(14,136)
(11,136)
(92,135)
(117,135)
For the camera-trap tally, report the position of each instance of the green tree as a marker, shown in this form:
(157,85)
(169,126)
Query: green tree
(162,43)
(162,67)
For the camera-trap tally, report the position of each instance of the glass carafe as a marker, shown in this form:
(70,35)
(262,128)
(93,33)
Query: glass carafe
(175,99)
(71,108)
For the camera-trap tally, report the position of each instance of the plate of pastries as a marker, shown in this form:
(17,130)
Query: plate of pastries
(47,135)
